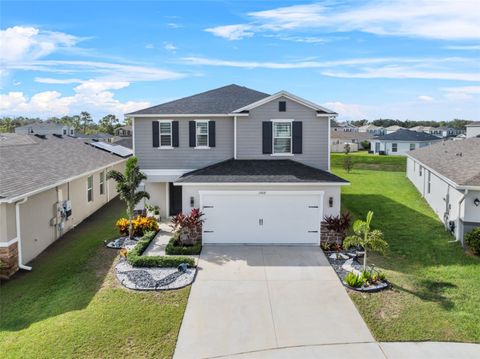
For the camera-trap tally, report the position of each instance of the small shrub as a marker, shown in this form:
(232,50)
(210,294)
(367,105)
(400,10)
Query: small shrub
(472,240)
(326,246)
(354,280)
(175,247)
(347,163)
(365,144)
(338,224)
(135,258)
(141,225)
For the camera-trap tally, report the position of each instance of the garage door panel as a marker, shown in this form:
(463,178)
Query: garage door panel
(261,217)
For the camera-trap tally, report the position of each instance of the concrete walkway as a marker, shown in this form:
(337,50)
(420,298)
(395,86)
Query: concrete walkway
(157,246)
(257,298)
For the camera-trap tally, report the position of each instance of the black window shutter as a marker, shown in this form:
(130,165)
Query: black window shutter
(191,132)
(297,136)
(174,133)
(267,137)
(155,137)
(211,133)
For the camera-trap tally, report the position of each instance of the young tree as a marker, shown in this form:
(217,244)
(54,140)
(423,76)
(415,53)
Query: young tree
(86,120)
(127,188)
(107,123)
(367,238)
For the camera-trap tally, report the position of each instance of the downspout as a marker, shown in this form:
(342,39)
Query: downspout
(235,137)
(460,212)
(19,236)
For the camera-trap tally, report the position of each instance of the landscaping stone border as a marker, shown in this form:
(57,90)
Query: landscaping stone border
(337,265)
(144,279)
(122,242)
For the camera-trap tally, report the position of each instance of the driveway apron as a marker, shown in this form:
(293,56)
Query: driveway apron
(252,299)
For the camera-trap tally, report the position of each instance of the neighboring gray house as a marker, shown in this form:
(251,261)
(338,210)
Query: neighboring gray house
(124,131)
(344,127)
(372,130)
(257,165)
(447,175)
(45,128)
(473,129)
(402,141)
(339,139)
(49,184)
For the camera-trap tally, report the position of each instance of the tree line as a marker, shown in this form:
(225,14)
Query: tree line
(83,123)
(456,123)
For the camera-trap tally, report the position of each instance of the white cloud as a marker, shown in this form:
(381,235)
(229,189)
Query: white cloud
(444,20)
(174,25)
(20,43)
(394,68)
(92,96)
(347,111)
(169,47)
(426,98)
(464,47)
(53,81)
(232,32)
(149,46)
(101,70)
(462,93)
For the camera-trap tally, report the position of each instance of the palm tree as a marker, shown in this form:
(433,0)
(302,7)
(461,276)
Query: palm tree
(367,238)
(127,188)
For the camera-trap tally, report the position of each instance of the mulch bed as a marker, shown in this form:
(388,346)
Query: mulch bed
(153,278)
(339,268)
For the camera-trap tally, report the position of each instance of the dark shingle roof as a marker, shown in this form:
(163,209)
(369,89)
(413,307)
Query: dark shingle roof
(407,135)
(27,166)
(218,101)
(259,171)
(456,160)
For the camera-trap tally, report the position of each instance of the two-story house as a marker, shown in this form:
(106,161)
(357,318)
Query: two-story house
(257,165)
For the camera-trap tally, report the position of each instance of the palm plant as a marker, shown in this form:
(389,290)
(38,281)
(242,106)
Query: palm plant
(127,188)
(367,238)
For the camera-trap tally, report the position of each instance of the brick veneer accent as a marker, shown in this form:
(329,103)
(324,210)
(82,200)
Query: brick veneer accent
(327,236)
(9,258)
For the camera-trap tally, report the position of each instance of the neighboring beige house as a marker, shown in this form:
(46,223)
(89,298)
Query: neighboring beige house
(338,140)
(473,129)
(372,129)
(124,131)
(392,129)
(447,175)
(48,185)
(45,128)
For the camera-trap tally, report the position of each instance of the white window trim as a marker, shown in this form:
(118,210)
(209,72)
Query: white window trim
(197,147)
(101,183)
(160,135)
(286,154)
(88,188)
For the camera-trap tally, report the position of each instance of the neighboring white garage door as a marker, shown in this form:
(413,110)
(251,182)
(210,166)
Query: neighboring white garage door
(283,217)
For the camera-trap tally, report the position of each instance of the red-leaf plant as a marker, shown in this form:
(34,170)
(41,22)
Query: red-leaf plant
(191,221)
(338,224)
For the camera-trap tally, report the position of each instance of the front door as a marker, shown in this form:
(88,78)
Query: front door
(175,193)
(377,147)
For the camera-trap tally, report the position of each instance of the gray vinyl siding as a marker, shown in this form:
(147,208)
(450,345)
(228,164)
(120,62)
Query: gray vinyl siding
(315,133)
(183,156)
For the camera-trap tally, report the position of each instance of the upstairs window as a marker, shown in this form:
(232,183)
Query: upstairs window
(282,106)
(71,132)
(429,181)
(201,133)
(412,146)
(90,188)
(394,147)
(102,183)
(282,137)
(165,133)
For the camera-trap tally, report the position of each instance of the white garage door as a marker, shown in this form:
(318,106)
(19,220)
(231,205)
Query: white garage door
(283,217)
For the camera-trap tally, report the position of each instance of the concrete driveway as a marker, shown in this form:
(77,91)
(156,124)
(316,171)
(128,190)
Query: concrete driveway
(255,299)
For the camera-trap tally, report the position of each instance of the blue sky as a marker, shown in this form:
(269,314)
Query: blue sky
(417,60)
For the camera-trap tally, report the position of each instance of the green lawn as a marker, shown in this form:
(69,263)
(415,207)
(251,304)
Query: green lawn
(436,286)
(363,160)
(71,305)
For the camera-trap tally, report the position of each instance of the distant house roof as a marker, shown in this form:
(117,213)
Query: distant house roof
(394,128)
(30,163)
(456,160)
(407,135)
(369,127)
(94,136)
(43,125)
(474,124)
(259,171)
(222,100)
(346,135)
(125,142)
